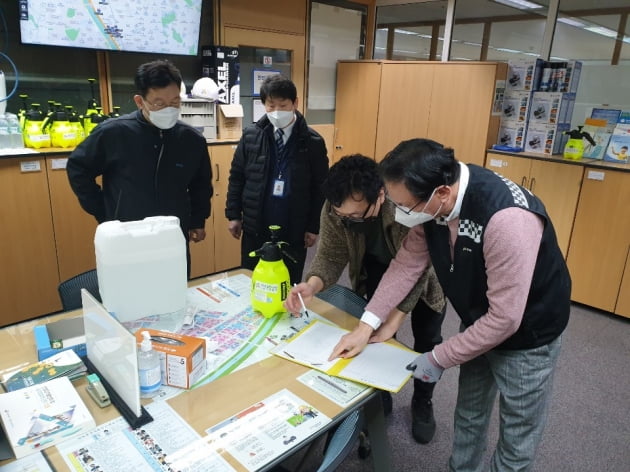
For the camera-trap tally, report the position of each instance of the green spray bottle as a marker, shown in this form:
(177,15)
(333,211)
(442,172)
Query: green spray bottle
(574,149)
(270,280)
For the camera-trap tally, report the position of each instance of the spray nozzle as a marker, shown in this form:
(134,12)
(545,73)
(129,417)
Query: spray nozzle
(579,134)
(273,250)
(92,103)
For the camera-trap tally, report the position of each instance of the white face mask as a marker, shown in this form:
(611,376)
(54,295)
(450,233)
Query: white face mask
(280,118)
(164,118)
(415,218)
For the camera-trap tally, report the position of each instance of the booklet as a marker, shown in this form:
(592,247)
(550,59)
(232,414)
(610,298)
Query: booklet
(379,365)
(43,415)
(64,363)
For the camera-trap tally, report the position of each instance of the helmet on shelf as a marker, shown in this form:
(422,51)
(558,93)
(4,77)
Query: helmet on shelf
(205,88)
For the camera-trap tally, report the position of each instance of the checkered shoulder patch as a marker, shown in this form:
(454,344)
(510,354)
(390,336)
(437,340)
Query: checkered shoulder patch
(470,229)
(516,191)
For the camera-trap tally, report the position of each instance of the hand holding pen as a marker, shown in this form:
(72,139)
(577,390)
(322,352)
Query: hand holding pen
(298,294)
(303,305)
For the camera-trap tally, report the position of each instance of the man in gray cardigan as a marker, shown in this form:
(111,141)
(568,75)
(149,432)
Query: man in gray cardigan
(357,229)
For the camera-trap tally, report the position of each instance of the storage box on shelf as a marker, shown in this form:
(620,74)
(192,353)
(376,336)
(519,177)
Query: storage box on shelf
(546,138)
(554,108)
(200,114)
(221,64)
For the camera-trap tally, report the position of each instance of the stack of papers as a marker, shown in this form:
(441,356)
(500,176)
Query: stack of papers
(379,365)
(65,363)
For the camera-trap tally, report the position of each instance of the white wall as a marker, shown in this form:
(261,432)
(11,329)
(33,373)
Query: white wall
(601,85)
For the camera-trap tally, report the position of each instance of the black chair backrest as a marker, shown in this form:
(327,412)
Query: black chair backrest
(70,290)
(345,299)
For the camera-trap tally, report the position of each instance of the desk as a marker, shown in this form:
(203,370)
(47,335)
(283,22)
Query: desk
(212,403)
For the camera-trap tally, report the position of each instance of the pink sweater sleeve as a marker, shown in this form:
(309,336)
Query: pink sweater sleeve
(510,246)
(404,271)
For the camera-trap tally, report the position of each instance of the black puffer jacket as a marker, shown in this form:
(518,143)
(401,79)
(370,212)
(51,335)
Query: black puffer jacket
(250,173)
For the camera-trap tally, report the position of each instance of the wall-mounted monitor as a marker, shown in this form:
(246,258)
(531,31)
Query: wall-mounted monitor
(149,26)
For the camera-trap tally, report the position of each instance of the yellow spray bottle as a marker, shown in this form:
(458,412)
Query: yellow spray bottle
(270,280)
(574,149)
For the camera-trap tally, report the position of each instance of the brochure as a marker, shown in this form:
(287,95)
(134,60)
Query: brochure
(43,415)
(64,363)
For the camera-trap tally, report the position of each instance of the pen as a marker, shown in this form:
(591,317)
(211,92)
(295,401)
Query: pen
(302,302)
(332,384)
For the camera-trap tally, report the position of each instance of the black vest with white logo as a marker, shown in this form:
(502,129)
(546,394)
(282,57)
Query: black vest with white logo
(464,279)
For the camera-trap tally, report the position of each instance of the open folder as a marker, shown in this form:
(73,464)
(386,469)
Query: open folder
(379,365)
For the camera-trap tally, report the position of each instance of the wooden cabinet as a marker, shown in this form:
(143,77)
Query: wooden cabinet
(74,228)
(227,250)
(556,183)
(29,276)
(381,103)
(219,251)
(600,242)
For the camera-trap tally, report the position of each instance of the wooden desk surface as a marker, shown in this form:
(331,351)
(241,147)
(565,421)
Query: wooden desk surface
(202,407)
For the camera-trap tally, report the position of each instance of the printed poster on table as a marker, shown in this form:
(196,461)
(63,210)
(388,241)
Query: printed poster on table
(267,429)
(156,446)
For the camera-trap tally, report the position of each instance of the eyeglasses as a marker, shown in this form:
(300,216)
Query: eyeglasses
(351,219)
(405,210)
(157,106)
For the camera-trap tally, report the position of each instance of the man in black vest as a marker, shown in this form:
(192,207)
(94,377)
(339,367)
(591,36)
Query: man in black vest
(495,253)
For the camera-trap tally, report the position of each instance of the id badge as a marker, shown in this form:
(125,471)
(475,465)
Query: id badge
(278,188)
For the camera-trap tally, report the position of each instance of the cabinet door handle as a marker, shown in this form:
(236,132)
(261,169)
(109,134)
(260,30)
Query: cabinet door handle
(338,146)
(216,166)
(532,184)
(524,182)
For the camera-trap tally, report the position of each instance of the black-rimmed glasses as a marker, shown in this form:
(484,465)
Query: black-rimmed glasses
(351,219)
(404,209)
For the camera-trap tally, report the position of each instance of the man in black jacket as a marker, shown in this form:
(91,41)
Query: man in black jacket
(276,178)
(151,163)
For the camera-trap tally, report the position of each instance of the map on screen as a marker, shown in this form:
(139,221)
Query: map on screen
(150,26)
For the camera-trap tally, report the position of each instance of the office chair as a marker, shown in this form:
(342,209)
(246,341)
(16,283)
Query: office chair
(339,443)
(345,299)
(70,290)
(342,441)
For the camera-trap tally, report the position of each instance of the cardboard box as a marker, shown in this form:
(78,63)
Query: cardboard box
(524,75)
(183,357)
(230,123)
(512,133)
(545,138)
(221,64)
(571,77)
(516,106)
(560,76)
(551,107)
(44,345)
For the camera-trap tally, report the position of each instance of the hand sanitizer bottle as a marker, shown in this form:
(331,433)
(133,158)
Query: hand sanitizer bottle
(148,368)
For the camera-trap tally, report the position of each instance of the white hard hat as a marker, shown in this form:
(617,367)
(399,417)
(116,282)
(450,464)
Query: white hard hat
(205,88)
